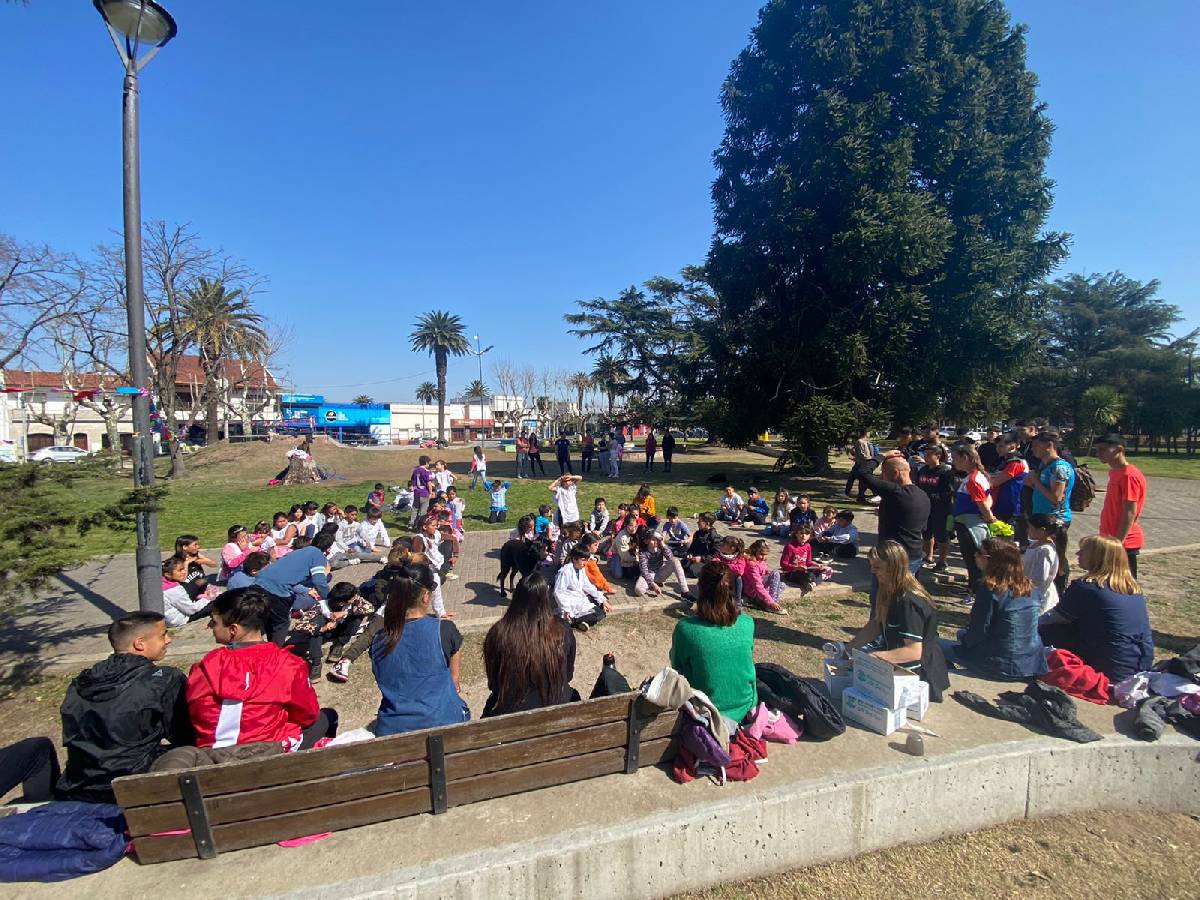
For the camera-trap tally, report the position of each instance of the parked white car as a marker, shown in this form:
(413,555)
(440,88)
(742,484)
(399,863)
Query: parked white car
(59,454)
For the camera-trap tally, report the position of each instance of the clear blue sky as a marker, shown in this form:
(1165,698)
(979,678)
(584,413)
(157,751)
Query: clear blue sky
(503,160)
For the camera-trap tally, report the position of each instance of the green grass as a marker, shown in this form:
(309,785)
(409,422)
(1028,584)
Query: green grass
(1160,465)
(208,506)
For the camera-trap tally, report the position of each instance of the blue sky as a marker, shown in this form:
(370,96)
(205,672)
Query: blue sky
(503,160)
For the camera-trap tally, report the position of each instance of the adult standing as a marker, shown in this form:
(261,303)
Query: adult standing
(990,453)
(589,449)
(1027,430)
(651,449)
(668,449)
(973,511)
(1052,485)
(863,454)
(603,450)
(1124,498)
(562,455)
(535,453)
(903,510)
(522,456)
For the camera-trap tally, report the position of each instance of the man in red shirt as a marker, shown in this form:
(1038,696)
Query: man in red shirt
(1124,498)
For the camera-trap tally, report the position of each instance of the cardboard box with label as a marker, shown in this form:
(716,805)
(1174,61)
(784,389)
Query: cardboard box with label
(886,683)
(838,677)
(918,708)
(867,711)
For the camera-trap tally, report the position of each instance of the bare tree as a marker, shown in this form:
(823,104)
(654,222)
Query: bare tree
(39,287)
(246,372)
(518,382)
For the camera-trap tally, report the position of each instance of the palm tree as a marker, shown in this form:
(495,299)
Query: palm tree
(223,324)
(581,382)
(609,376)
(426,393)
(440,334)
(363,400)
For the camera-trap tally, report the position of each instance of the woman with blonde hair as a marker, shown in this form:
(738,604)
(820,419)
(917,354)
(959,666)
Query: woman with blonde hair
(1001,640)
(1102,616)
(903,628)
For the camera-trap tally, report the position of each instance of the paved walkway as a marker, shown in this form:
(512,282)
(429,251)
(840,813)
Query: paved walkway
(64,629)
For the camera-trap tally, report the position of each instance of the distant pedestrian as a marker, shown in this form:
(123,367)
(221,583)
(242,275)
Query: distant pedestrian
(535,454)
(1124,498)
(668,449)
(522,456)
(562,455)
(589,449)
(651,449)
(603,451)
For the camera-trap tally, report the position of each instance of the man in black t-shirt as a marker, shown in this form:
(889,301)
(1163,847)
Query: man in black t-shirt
(989,455)
(903,510)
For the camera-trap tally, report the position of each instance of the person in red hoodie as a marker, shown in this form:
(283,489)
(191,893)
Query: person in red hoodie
(250,690)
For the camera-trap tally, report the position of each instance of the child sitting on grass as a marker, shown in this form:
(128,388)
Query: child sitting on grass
(643,502)
(349,612)
(655,563)
(827,521)
(572,532)
(840,541)
(780,522)
(624,560)
(756,509)
(675,532)
(797,563)
(762,586)
(704,544)
(598,521)
(803,513)
(542,523)
(377,496)
(374,591)
(731,553)
(248,573)
(498,503)
(591,543)
(179,606)
(582,603)
(732,508)
(188,547)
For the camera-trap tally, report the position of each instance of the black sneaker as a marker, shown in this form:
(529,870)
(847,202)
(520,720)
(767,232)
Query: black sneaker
(941,566)
(582,626)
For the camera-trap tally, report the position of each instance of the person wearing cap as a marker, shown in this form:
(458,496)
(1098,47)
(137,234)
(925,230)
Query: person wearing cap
(1051,488)
(1124,498)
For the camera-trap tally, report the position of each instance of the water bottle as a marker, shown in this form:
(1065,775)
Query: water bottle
(915,744)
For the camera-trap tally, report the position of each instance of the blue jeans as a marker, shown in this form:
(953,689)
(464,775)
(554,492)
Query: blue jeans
(914,566)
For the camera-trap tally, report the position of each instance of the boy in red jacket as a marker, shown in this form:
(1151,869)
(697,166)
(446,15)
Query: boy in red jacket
(250,690)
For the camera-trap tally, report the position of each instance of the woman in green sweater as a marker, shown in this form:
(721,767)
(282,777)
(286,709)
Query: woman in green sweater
(714,648)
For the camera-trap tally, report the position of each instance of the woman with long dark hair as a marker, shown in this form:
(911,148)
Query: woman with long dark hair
(903,626)
(415,658)
(714,647)
(529,654)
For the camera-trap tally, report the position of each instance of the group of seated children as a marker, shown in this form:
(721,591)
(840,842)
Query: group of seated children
(833,533)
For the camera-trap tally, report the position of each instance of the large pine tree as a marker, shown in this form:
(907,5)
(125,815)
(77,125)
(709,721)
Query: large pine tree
(879,203)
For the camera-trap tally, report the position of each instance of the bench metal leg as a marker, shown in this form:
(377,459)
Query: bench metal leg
(193,804)
(437,773)
(633,741)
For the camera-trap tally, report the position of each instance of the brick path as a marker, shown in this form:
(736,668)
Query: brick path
(64,629)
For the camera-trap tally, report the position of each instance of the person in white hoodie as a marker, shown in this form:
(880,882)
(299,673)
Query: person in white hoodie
(582,603)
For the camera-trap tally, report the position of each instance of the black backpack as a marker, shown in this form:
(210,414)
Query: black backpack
(805,699)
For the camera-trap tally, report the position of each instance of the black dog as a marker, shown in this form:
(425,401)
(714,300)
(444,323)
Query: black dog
(518,557)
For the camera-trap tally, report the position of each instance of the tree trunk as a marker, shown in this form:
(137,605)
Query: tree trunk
(440,359)
(178,467)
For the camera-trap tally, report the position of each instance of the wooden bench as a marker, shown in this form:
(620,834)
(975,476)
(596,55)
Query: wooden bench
(232,806)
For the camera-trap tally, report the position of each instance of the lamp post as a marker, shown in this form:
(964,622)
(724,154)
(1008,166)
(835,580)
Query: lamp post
(479,355)
(133,24)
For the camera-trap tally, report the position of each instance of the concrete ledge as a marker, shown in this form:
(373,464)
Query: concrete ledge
(806,822)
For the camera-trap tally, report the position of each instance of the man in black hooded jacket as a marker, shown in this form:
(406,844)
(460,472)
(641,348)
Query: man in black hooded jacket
(118,713)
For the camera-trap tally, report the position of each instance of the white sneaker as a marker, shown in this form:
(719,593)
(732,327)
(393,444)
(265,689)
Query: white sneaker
(450,576)
(353,561)
(875,501)
(340,672)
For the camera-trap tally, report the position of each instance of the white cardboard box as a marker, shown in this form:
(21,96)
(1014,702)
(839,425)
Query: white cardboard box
(868,712)
(888,684)
(838,677)
(920,707)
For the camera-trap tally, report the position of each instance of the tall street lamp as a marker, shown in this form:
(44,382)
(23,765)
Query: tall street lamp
(134,25)
(479,355)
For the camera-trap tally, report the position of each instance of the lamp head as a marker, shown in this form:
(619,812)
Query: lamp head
(140,21)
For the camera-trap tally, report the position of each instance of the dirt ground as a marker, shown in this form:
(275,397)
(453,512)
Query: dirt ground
(1100,854)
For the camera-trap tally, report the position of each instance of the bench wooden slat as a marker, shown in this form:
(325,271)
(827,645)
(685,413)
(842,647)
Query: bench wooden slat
(144,790)
(354,813)
(287,798)
(256,832)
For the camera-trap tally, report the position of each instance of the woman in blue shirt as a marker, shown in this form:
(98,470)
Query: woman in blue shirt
(1102,617)
(415,658)
(1001,641)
